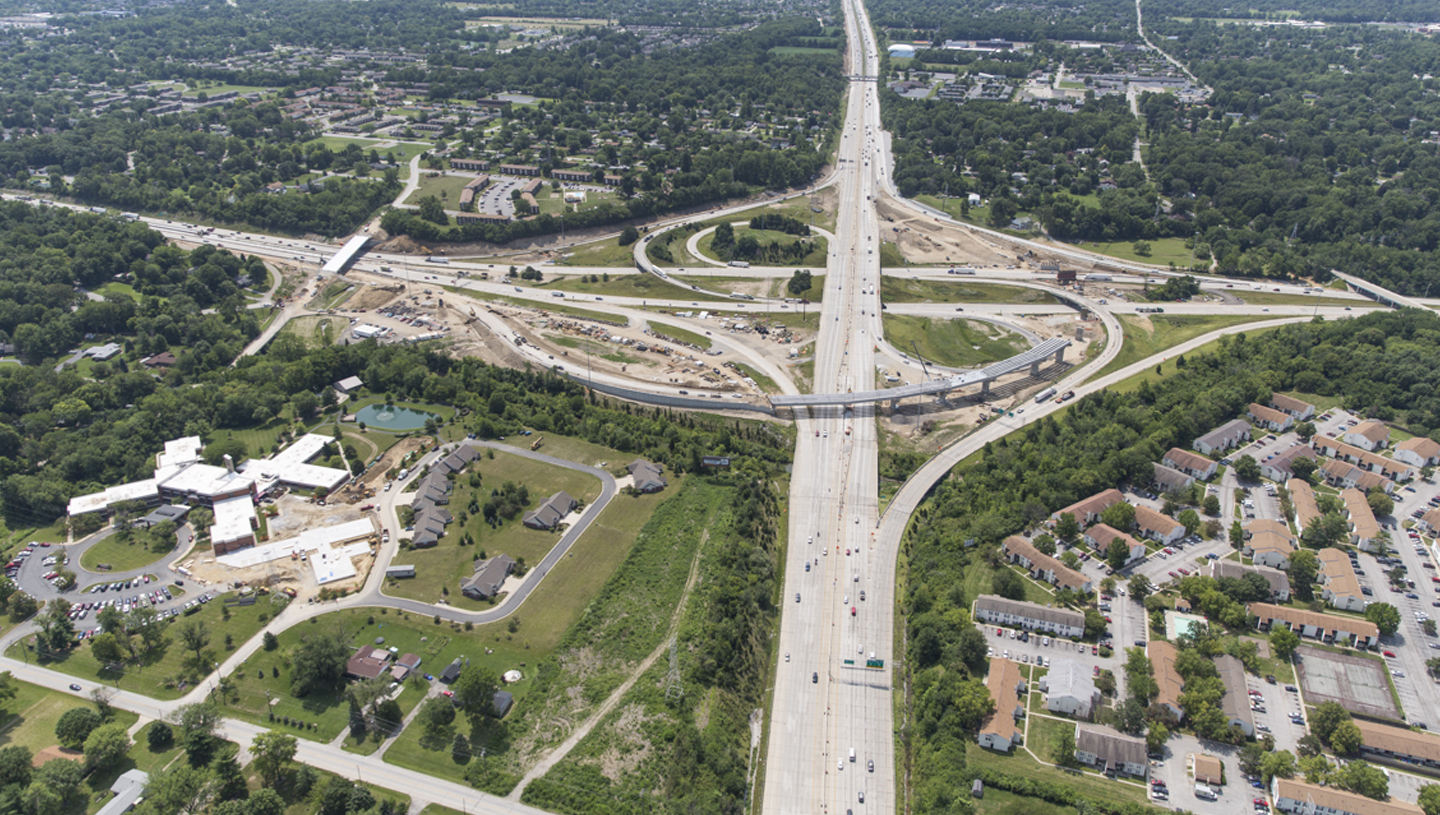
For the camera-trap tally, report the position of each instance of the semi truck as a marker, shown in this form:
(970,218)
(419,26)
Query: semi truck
(1043,395)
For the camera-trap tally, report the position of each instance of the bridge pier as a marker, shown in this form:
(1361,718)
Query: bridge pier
(985,388)
(1060,355)
(894,404)
(1035,368)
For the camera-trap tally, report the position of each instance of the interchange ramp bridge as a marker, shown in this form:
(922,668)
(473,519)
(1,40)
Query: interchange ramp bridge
(1031,359)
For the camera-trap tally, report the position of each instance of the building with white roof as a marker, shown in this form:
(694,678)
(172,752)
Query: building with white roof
(235,524)
(291,468)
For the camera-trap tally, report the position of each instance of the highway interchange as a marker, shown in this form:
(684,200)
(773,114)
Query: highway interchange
(826,703)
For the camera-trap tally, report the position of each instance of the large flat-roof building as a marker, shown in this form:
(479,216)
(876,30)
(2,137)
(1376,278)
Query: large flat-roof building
(1008,691)
(995,610)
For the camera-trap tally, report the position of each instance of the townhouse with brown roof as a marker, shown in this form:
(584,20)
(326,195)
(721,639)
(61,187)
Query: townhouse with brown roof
(1369,435)
(1101,535)
(1008,691)
(1328,628)
(1278,580)
(1088,511)
(1269,543)
(1223,437)
(1399,743)
(1302,798)
(1169,479)
(1172,685)
(1398,470)
(1430,521)
(1418,452)
(1281,466)
(1044,567)
(1158,526)
(1341,585)
(1295,407)
(1302,497)
(995,610)
(1192,464)
(1347,476)
(1276,421)
(1235,703)
(1364,529)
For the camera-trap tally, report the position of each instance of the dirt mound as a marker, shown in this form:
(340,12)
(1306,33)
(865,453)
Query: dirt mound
(53,752)
(370,297)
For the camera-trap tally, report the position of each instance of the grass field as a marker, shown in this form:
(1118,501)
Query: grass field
(158,673)
(553,203)
(678,333)
(339,143)
(1270,298)
(113,289)
(445,187)
(765,383)
(978,580)
(1043,733)
(317,330)
(1162,251)
(1169,331)
(442,567)
(957,343)
(121,557)
(29,718)
(212,90)
(1000,802)
(1020,763)
(895,290)
(601,253)
(637,284)
(1166,367)
(788,50)
(816,257)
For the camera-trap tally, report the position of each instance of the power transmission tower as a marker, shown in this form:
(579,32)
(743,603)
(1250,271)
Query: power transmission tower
(673,688)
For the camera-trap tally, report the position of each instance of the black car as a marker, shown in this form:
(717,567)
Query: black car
(815,677)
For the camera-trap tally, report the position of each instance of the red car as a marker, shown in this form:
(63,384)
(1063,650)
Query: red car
(1184,571)
(1390,654)
(1094,650)
(1097,670)
(1261,802)
(1172,574)
(852,611)
(999,632)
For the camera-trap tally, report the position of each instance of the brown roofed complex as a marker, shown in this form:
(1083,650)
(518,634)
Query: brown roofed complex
(1295,407)
(1335,801)
(1003,683)
(1399,741)
(1065,577)
(1162,660)
(1089,509)
(1363,525)
(1302,496)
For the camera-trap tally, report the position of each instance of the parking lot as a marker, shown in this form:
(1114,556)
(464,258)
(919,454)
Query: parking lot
(1237,796)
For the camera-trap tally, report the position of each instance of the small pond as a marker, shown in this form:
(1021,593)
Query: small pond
(391,417)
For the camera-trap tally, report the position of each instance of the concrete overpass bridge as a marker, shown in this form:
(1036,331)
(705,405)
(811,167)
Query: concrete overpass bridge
(1378,293)
(1031,359)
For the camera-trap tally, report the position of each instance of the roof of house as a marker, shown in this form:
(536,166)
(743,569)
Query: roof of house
(1035,611)
(1236,701)
(1064,575)
(647,474)
(1263,525)
(1219,435)
(1170,478)
(555,508)
(1338,800)
(1329,622)
(1432,518)
(1002,682)
(1362,518)
(1268,414)
(489,575)
(1278,580)
(1094,505)
(1289,404)
(451,672)
(1302,497)
(1109,744)
(1068,677)
(1366,459)
(349,383)
(1421,446)
(1283,460)
(410,661)
(1188,460)
(1162,660)
(1339,575)
(127,788)
(1372,430)
(367,662)
(1399,740)
(1208,769)
(1103,534)
(1147,518)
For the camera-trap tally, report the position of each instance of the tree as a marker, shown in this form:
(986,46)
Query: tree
(1428,626)
(55,788)
(435,719)
(105,649)
(159,737)
(1247,468)
(15,765)
(270,641)
(1365,779)
(1140,587)
(1327,717)
(1385,617)
(1304,565)
(319,661)
(1156,737)
(273,753)
(1283,642)
(433,211)
(1063,753)
(1045,543)
(1305,430)
(1237,535)
(1071,560)
(197,723)
(57,632)
(194,635)
(1066,528)
(1277,764)
(1429,799)
(1117,554)
(75,725)
(799,282)
(1120,516)
(1380,502)
(178,789)
(22,606)
(1345,739)
(629,235)
(106,745)
(1211,504)
(475,693)
(1008,584)
(1094,623)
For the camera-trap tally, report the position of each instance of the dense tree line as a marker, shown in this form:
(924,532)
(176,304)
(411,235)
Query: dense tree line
(1106,21)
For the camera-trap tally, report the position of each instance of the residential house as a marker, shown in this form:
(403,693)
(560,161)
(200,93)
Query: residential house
(1349,476)
(648,476)
(1088,511)
(1276,421)
(1302,411)
(1364,529)
(1069,688)
(1269,543)
(1208,770)
(1192,464)
(1394,469)
(549,514)
(1044,567)
(1235,703)
(1224,437)
(457,460)
(1302,497)
(1302,798)
(1418,452)
(349,384)
(1328,628)
(1399,744)
(1430,521)
(452,671)
(1281,466)
(489,576)
(1109,751)
(1162,656)
(367,662)
(1341,585)
(1158,526)
(1061,622)
(1100,536)
(501,702)
(1169,479)
(1278,580)
(404,666)
(1008,691)
(127,791)
(1369,435)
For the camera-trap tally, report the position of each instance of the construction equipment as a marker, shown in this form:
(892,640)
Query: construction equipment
(923,366)
(535,445)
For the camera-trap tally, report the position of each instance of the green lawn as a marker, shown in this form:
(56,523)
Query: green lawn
(1270,298)
(1162,251)
(675,332)
(816,256)
(310,803)
(553,203)
(317,330)
(1043,733)
(1168,331)
(211,90)
(890,255)
(765,383)
(113,289)
(410,696)
(445,187)
(161,673)
(637,284)
(1020,763)
(122,557)
(29,718)
(1000,802)
(441,568)
(601,253)
(898,290)
(339,143)
(958,342)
